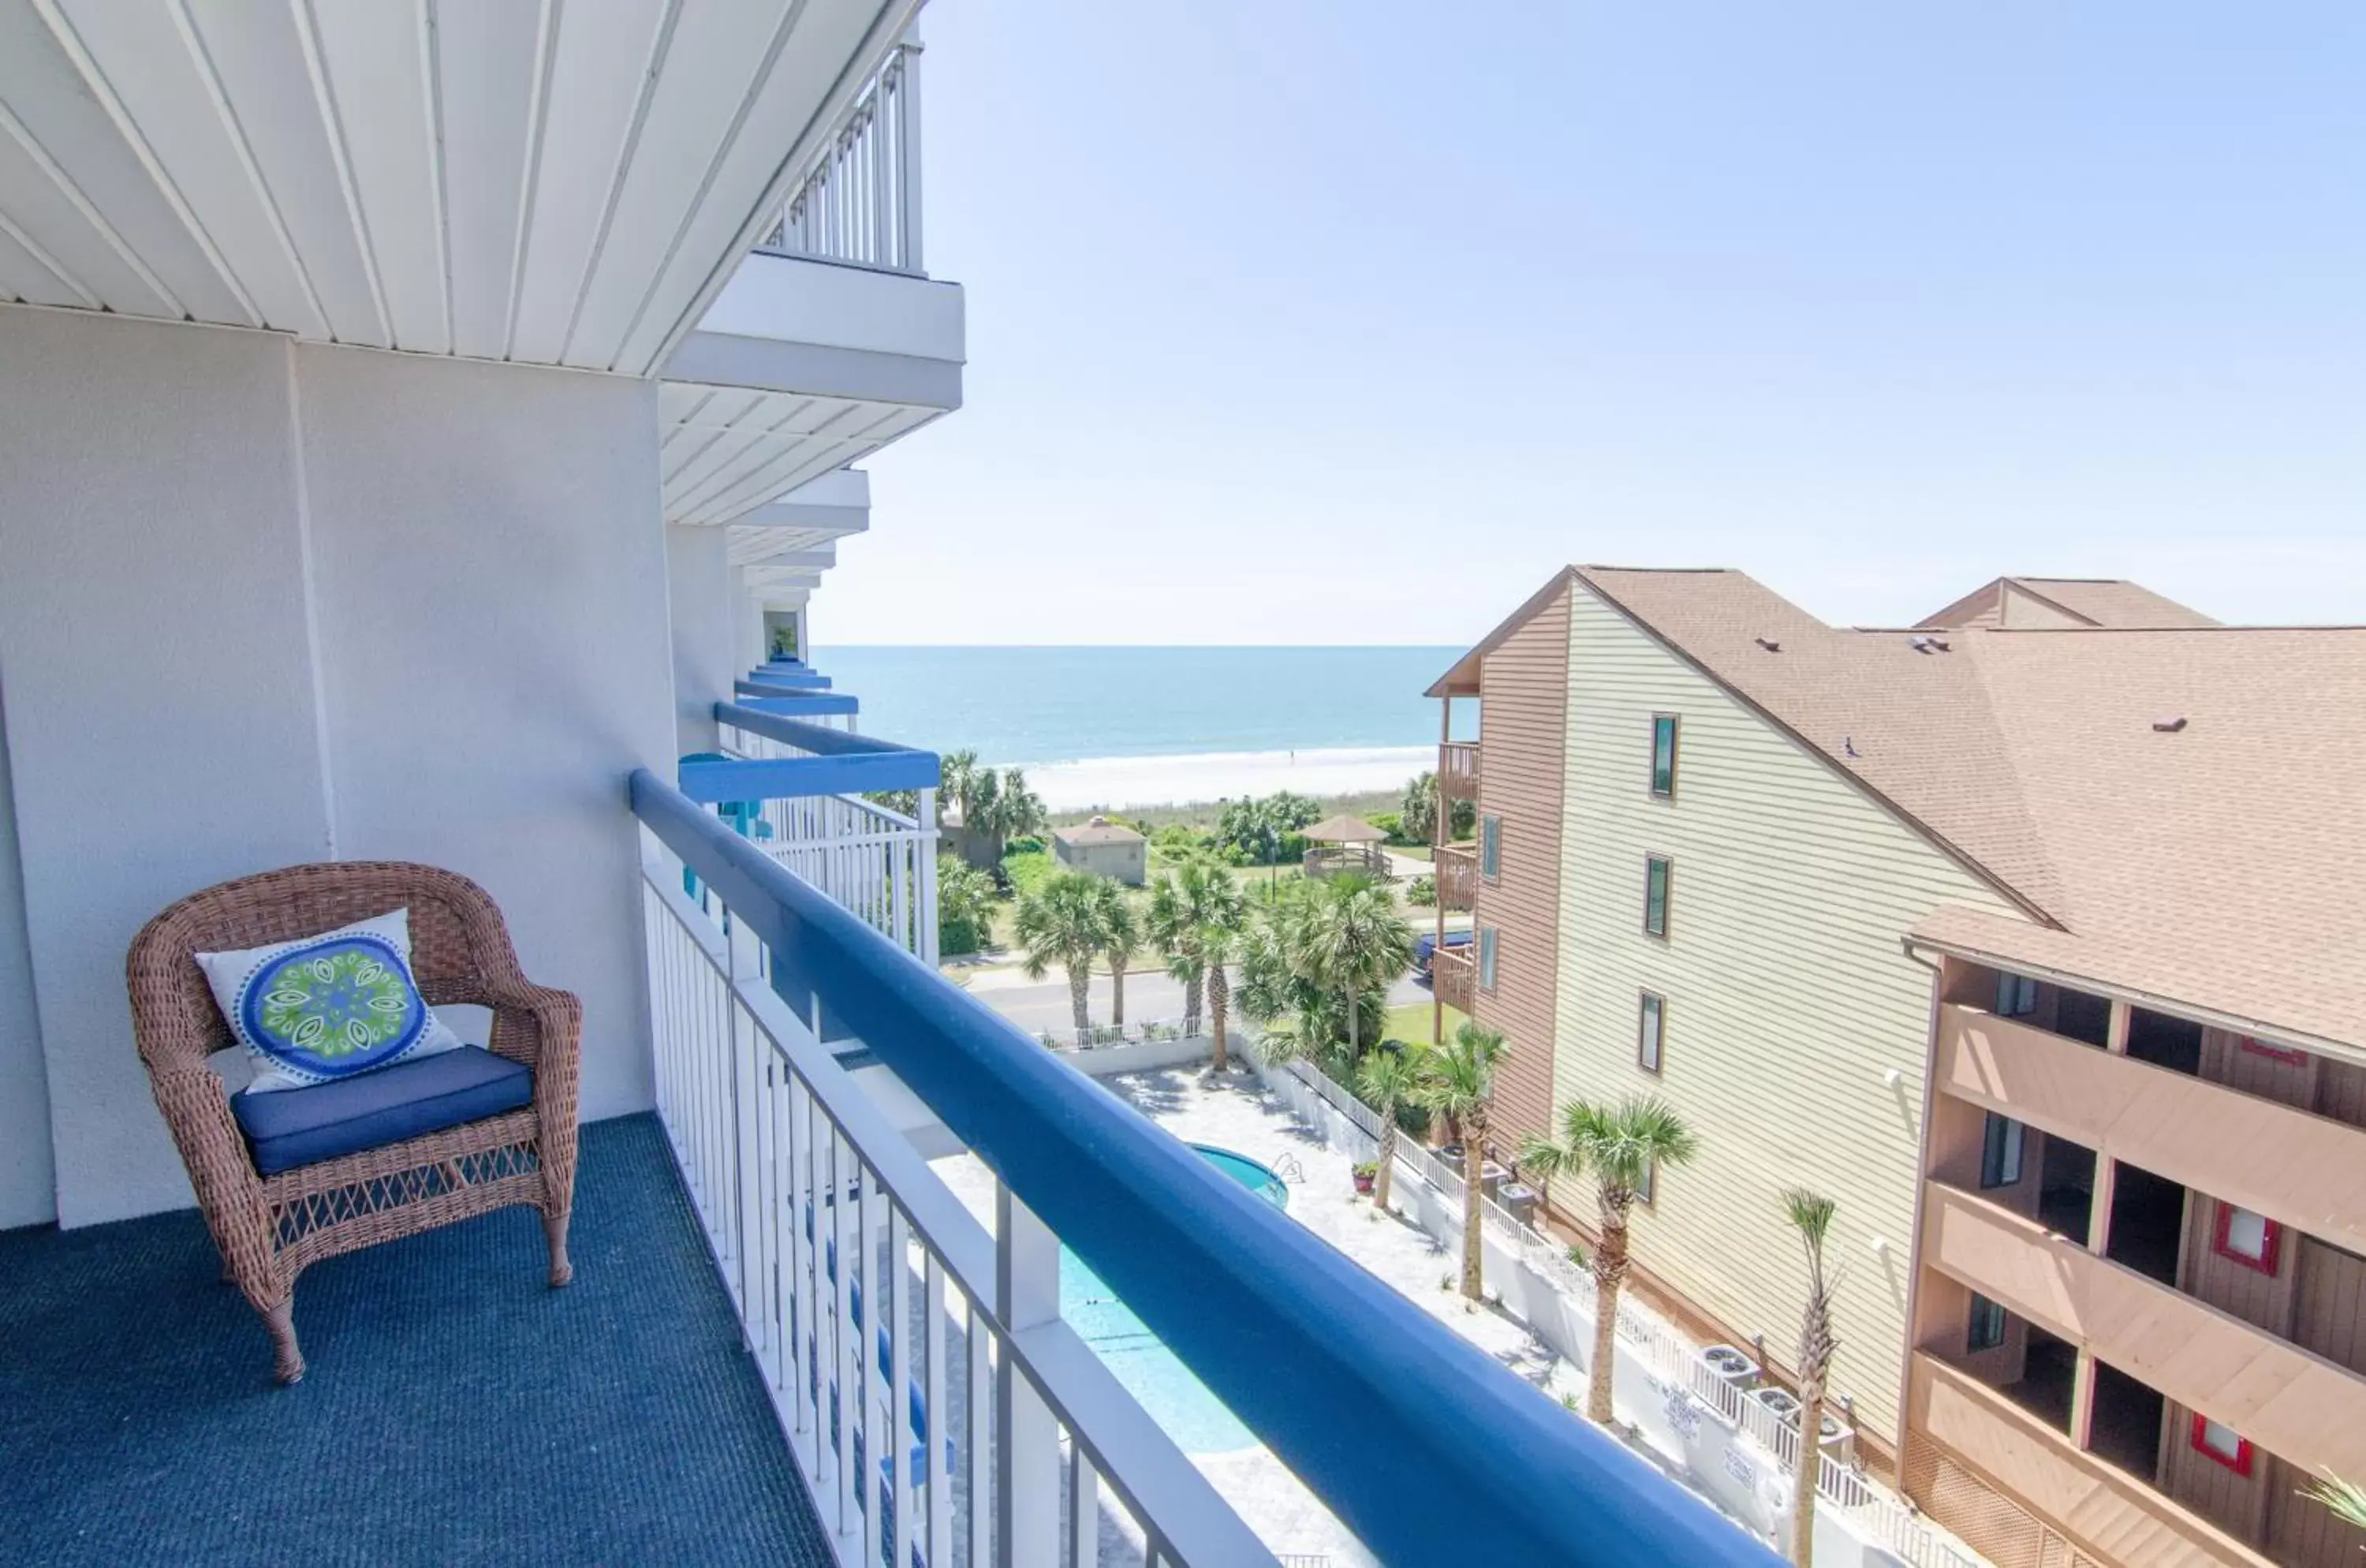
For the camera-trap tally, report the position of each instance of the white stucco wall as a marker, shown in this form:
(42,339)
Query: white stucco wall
(706,626)
(493,639)
(159,715)
(27,1179)
(261,604)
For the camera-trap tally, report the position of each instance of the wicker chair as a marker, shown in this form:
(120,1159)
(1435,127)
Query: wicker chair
(269,1228)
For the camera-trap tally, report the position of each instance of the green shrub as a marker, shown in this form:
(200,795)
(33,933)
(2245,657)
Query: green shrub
(964,907)
(1422,891)
(1028,844)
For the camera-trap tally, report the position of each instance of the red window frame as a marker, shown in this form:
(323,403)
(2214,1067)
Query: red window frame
(2271,1240)
(2275,1053)
(2241,1461)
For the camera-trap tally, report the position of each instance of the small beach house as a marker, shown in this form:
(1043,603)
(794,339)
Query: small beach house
(1105,849)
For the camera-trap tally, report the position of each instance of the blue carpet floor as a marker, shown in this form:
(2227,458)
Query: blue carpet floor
(455,1409)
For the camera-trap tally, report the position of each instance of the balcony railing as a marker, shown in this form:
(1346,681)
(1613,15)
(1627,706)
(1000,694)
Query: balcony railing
(795,790)
(1458,770)
(1453,976)
(861,203)
(2106,1512)
(980,1417)
(1458,877)
(2280,1396)
(2302,1169)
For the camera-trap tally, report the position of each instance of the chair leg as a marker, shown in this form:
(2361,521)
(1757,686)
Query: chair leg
(554,1227)
(286,1359)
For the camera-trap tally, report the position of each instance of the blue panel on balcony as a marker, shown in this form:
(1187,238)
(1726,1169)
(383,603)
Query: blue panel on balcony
(789,778)
(1327,1365)
(458,1409)
(759,682)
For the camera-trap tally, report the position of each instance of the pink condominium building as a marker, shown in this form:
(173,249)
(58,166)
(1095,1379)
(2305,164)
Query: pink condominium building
(2032,934)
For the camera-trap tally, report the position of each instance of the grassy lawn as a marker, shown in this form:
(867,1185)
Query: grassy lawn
(1411,1022)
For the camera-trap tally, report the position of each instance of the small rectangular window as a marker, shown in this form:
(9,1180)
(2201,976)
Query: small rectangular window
(1487,958)
(2222,1443)
(2251,1240)
(2016,995)
(2002,1141)
(1656,871)
(1987,1325)
(1491,846)
(2275,1053)
(1651,1020)
(1663,755)
(1647,1188)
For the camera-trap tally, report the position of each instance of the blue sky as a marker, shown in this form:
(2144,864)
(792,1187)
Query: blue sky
(1333,324)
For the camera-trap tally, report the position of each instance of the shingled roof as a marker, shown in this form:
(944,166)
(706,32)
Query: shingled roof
(2181,810)
(2073,601)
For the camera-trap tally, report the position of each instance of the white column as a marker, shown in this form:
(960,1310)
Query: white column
(1027,1437)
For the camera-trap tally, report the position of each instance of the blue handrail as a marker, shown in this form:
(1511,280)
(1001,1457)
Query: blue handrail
(1423,1444)
(759,682)
(820,739)
(808,704)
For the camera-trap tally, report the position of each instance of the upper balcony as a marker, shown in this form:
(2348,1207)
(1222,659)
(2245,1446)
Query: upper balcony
(2295,1405)
(2293,1166)
(1458,876)
(2107,1512)
(1458,770)
(1453,976)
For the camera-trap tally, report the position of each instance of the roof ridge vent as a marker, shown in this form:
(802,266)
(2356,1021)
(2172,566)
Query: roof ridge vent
(1927,644)
(1769,644)
(2169,725)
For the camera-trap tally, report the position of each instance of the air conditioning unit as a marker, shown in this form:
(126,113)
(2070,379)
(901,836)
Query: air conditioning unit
(1731,1367)
(1837,1441)
(1518,1201)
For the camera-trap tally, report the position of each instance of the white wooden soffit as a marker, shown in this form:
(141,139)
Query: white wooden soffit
(553,182)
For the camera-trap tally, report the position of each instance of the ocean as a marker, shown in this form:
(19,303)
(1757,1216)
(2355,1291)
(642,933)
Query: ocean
(1130,727)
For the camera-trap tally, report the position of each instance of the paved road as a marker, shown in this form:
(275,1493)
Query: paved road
(1037,1005)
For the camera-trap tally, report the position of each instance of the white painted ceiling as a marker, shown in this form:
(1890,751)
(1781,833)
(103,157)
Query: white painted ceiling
(554,181)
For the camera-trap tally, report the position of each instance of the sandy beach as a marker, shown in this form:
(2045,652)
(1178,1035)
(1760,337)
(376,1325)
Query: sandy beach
(1223,775)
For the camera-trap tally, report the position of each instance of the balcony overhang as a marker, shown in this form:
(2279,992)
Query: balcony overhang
(498,181)
(802,368)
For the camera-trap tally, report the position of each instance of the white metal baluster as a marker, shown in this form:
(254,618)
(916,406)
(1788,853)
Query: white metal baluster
(983,1505)
(878,1436)
(844,1336)
(902,1432)
(940,1528)
(908,147)
(1084,1508)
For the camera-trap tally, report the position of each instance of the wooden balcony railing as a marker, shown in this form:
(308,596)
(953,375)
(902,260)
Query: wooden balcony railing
(1453,976)
(2105,1511)
(2285,1399)
(1458,876)
(2302,1169)
(1458,770)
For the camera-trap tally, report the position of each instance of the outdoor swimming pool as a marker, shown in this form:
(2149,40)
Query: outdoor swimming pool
(1154,1374)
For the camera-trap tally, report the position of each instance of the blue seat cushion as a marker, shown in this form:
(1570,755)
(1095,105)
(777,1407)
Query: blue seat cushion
(300,1126)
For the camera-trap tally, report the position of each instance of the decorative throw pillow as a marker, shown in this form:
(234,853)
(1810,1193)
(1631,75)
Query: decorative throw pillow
(327,1006)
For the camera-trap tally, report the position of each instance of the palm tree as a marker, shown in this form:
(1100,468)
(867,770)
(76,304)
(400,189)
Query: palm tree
(1460,1082)
(1218,945)
(1810,1214)
(2346,1498)
(1622,1147)
(1124,934)
(1061,923)
(1183,907)
(1387,1081)
(1351,938)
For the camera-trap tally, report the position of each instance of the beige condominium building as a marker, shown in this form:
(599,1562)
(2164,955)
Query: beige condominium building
(2035,934)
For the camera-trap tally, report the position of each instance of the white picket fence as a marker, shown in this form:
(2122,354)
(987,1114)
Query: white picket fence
(1670,1358)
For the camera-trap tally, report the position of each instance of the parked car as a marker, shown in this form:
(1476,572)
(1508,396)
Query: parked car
(1428,944)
